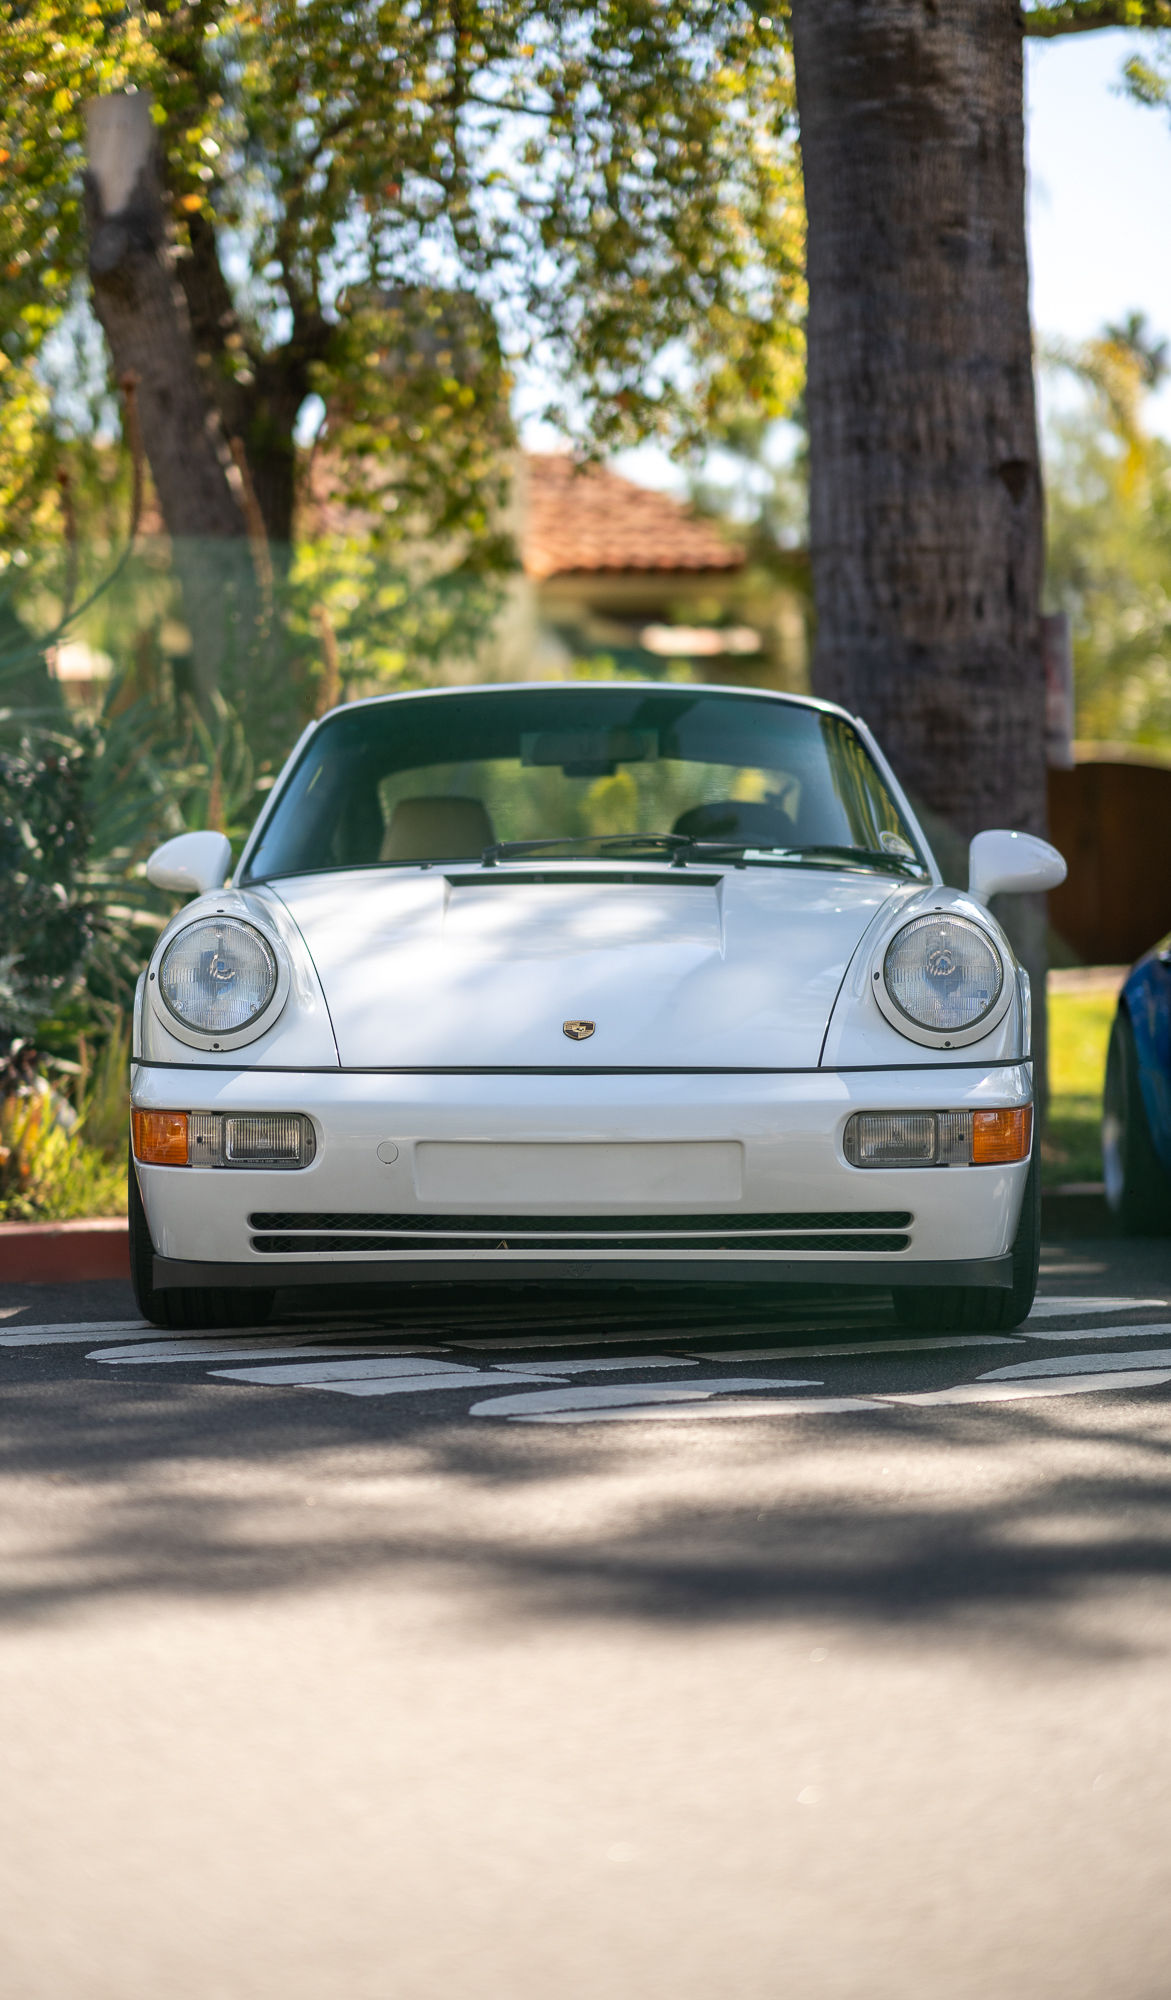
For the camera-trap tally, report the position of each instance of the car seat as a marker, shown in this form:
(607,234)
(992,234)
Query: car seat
(738,819)
(437,829)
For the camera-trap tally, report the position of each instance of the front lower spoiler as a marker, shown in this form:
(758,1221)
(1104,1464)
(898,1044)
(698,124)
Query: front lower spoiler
(511,1267)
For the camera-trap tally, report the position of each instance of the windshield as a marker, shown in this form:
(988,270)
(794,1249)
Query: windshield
(441,778)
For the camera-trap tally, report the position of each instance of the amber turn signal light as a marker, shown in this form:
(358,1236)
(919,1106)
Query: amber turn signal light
(160,1138)
(999,1138)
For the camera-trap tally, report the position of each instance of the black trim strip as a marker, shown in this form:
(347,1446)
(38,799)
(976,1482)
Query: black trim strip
(582,1069)
(291,1246)
(555,876)
(731,1221)
(510,1266)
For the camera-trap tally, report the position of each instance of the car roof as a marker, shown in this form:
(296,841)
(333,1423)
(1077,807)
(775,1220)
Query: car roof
(591,687)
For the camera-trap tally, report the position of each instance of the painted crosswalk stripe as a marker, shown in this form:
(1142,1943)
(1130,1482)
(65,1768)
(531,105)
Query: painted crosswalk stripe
(1101,1332)
(675,1336)
(596,1364)
(1060,1308)
(415,1385)
(1049,1385)
(624,1337)
(75,1332)
(733,1408)
(681,1412)
(613,1395)
(836,1347)
(1082,1364)
(316,1374)
(272,1348)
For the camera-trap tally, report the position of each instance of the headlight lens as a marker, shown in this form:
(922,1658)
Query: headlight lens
(218,975)
(943,973)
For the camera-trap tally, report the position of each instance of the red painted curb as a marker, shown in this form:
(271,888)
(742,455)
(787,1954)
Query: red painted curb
(47,1253)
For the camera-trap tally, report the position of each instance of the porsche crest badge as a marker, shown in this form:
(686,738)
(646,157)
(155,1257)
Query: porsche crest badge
(578,1031)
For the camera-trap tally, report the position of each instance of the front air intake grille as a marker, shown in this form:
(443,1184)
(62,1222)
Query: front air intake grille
(586,1225)
(289,1246)
(284,1234)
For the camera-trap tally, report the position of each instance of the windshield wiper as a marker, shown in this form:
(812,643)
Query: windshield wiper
(861,857)
(683,847)
(503,849)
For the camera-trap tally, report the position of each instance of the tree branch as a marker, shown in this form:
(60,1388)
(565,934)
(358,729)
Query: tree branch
(212,313)
(1078,17)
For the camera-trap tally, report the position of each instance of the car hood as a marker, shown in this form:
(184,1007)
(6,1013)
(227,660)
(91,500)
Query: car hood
(738,968)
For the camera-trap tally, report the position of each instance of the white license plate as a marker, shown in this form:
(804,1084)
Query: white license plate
(494,1176)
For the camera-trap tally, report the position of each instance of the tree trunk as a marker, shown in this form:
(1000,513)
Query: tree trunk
(141,311)
(926,498)
(261,413)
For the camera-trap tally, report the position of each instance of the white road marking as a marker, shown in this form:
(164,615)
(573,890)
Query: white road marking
(1082,1364)
(678,1335)
(309,1375)
(595,1364)
(856,1347)
(644,1412)
(613,1394)
(1100,1332)
(159,1351)
(385,1367)
(1075,1308)
(416,1385)
(652,1339)
(818,1406)
(86,1329)
(1049,1385)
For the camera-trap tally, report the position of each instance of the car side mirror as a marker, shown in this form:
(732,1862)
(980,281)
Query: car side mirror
(1016,862)
(190,863)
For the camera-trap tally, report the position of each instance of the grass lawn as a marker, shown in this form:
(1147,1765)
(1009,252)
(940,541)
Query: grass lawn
(1079,1030)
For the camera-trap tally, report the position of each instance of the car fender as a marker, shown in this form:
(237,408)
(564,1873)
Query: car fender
(1146,997)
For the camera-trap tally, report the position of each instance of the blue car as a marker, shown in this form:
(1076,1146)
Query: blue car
(1136,1125)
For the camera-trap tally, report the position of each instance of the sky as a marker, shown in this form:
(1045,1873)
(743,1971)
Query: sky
(1099,195)
(1099,211)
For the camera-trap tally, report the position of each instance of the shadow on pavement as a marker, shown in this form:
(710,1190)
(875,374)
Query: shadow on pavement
(127,1485)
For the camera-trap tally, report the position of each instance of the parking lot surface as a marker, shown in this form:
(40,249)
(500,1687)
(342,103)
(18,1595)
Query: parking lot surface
(644,1643)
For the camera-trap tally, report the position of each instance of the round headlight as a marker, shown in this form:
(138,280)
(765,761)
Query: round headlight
(943,973)
(218,975)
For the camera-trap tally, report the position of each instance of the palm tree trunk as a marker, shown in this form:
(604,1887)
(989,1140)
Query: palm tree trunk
(926,497)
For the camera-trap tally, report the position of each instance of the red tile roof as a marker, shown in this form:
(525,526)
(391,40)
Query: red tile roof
(585,519)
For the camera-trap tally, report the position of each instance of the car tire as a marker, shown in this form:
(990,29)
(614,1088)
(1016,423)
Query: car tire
(1138,1188)
(982,1308)
(189,1307)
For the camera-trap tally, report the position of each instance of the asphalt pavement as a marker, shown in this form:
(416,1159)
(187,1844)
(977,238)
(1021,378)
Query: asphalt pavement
(631,1646)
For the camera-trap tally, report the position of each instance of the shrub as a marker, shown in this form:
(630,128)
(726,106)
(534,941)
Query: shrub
(47,1170)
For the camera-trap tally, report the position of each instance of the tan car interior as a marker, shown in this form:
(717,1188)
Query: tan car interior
(437,829)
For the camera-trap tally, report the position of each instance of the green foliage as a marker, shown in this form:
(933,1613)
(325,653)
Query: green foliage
(1109,558)
(1073,17)
(1079,1031)
(417,202)
(51,60)
(417,431)
(46,918)
(48,1174)
(598,183)
(81,808)
(399,618)
(667,196)
(1148,77)
(104,1091)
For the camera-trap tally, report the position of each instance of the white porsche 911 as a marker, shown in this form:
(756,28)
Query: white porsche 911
(585,983)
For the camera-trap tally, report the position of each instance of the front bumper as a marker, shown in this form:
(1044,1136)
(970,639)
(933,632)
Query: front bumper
(793,1211)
